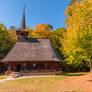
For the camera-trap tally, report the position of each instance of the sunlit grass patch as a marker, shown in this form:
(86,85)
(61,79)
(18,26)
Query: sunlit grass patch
(2,77)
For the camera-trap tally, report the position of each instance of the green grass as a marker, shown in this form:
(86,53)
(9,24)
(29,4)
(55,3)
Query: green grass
(57,83)
(2,77)
(31,85)
(75,74)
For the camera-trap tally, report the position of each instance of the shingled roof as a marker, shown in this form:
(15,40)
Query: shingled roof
(32,50)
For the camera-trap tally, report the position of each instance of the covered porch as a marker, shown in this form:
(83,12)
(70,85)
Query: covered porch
(34,67)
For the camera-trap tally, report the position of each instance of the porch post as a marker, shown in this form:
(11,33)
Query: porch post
(9,69)
(24,66)
(39,66)
(45,65)
(51,66)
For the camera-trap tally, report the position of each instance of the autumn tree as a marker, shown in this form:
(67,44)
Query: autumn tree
(43,27)
(40,31)
(12,34)
(77,43)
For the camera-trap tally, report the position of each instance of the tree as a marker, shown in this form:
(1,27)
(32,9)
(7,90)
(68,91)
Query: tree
(40,31)
(43,27)
(3,39)
(77,43)
(50,27)
(56,39)
(7,40)
(12,34)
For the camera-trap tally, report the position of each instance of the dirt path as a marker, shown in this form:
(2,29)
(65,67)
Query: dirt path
(83,82)
(23,77)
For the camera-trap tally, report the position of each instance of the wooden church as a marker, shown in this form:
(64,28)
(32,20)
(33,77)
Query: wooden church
(32,55)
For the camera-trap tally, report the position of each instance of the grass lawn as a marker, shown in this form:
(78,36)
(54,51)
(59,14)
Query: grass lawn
(69,82)
(2,77)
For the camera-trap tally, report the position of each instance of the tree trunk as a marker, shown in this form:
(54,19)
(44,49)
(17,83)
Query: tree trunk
(90,67)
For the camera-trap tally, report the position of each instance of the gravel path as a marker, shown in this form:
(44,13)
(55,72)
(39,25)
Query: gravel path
(22,77)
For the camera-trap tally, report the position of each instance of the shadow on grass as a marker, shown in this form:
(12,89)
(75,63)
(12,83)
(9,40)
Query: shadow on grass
(90,80)
(72,74)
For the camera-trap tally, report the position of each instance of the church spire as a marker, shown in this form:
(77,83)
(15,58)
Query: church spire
(23,24)
(22,32)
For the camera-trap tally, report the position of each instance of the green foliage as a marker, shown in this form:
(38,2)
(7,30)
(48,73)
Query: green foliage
(56,39)
(6,42)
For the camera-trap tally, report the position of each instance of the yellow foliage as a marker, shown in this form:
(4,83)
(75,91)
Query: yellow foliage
(41,27)
(12,35)
(77,22)
(40,31)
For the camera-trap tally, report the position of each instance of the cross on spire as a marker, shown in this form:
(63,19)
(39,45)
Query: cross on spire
(23,24)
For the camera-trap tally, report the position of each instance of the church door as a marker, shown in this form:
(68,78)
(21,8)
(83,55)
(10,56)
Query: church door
(18,68)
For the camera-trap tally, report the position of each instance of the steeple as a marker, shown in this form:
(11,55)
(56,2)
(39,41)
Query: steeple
(23,24)
(22,32)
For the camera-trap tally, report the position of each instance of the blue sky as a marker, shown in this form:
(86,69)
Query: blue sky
(37,12)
